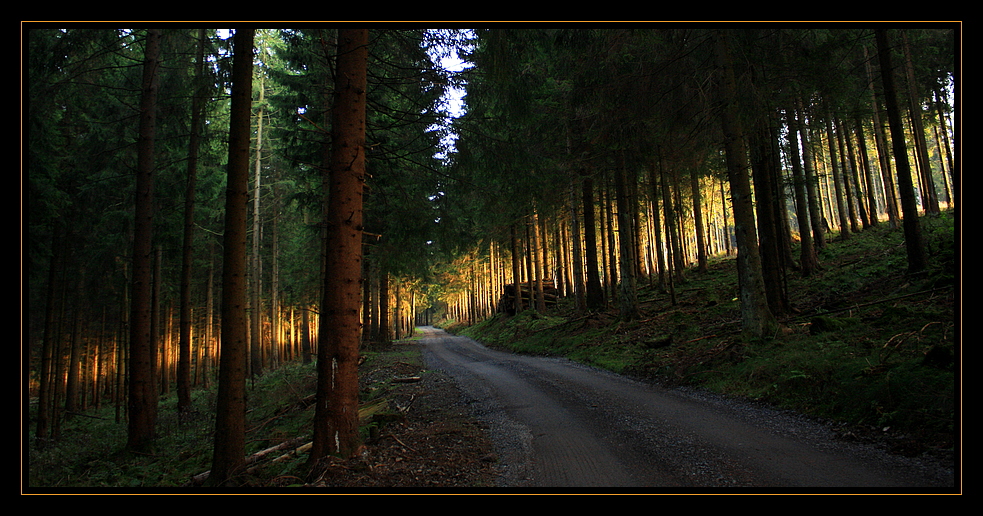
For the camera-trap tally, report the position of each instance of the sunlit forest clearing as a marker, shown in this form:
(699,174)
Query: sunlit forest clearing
(768,211)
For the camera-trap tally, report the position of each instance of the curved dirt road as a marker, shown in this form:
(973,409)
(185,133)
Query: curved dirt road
(559,424)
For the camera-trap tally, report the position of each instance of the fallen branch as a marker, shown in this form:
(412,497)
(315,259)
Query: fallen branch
(854,307)
(200,478)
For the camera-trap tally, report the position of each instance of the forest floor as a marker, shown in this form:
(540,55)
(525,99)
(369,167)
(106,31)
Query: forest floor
(433,442)
(871,350)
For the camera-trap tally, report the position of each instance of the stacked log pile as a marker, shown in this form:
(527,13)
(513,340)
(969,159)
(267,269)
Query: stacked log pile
(506,303)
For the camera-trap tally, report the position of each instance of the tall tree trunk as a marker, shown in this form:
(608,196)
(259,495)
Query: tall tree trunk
(811,182)
(943,128)
(275,308)
(256,267)
(305,335)
(660,261)
(142,402)
(184,345)
(930,198)
(516,270)
(871,200)
(857,188)
(628,294)
(595,291)
(768,202)
(579,281)
(808,259)
(50,338)
(890,200)
(672,234)
(210,352)
(230,432)
(756,317)
(336,414)
(701,246)
(73,379)
(538,263)
(834,166)
(723,209)
(612,231)
(385,332)
(846,172)
(669,228)
(917,261)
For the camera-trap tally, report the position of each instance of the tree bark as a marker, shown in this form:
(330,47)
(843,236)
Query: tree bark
(866,177)
(336,414)
(230,433)
(385,326)
(595,291)
(579,281)
(757,319)
(627,292)
(807,252)
(516,269)
(811,182)
(880,140)
(538,263)
(917,261)
(841,209)
(50,338)
(701,246)
(184,344)
(256,265)
(142,401)
(930,198)
(660,261)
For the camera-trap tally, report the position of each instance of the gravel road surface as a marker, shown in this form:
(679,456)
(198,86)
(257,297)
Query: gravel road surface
(558,424)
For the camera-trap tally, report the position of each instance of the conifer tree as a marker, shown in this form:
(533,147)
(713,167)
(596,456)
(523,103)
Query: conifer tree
(914,244)
(142,386)
(230,433)
(757,319)
(336,412)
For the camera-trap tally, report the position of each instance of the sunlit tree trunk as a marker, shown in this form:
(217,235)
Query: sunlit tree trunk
(917,261)
(674,254)
(807,254)
(880,140)
(871,199)
(516,270)
(336,412)
(701,246)
(834,166)
(628,294)
(811,182)
(930,199)
(385,325)
(538,264)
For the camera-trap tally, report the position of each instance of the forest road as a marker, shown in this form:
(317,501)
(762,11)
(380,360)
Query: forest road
(559,424)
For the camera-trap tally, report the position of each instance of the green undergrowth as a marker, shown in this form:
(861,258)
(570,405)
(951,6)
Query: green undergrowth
(89,451)
(864,343)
